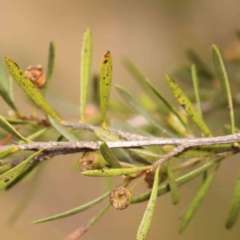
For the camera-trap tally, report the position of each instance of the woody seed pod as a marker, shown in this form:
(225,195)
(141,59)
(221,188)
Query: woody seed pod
(92,160)
(120,198)
(36,76)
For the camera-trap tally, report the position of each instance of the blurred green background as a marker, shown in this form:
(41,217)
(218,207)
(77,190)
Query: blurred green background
(154,35)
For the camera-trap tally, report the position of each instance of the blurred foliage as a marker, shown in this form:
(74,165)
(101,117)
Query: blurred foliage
(144,116)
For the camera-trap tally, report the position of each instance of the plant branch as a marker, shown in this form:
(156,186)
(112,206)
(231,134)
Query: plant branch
(52,149)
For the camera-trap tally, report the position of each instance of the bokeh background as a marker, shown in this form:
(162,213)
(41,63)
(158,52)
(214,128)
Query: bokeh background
(154,35)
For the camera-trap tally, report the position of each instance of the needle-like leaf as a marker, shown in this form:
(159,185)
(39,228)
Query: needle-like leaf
(86,59)
(148,215)
(73,211)
(223,78)
(172,183)
(105,85)
(28,87)
(188,107)
(114,171)
(235,206)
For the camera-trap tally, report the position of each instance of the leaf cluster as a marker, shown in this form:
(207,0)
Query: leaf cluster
(138,165)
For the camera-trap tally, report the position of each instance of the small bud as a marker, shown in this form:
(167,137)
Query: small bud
(36,76)
(149,178)
(92,160)
(120,198)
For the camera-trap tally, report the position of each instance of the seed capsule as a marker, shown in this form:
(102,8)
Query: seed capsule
(120,198)
(36,76)
(92,160)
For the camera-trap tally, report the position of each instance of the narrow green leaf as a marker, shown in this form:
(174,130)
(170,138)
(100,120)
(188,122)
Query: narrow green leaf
(86,59)
(196,88)
(180,181)
(109,156)
(8,150)
(172,183)
(5,95)
(62,130)
(9,128)
(74,211)
(11,91)
(188,107)
(27,86)
(166,102)
(8,177)
(114,171)
(3,78)
(50,68)
(223,78)
(187,216)
(148,215)
(204,151)
(105,85)
(235,206)
(133,102)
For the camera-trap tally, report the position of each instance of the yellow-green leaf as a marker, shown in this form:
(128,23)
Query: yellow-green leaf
(73,211)
(8,177)
(9,128)
(166,102)
(8,150)
(235,206)
(172,183)
(105,85)
(188,107)
(109,156)
(148,215)
(86,59)
(114,171)
(27,86)
(223,78)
